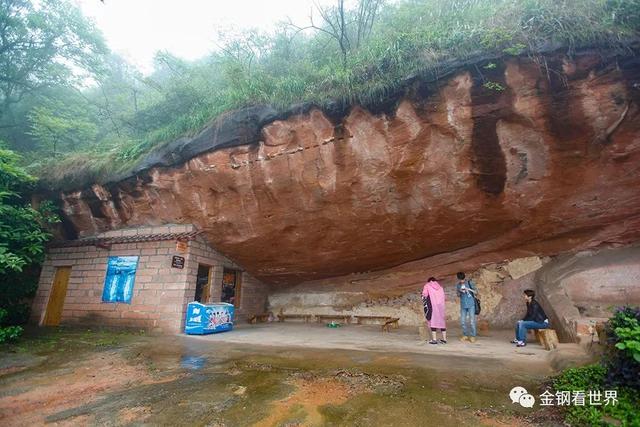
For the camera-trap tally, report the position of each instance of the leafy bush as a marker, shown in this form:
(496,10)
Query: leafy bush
(623,355)
(22,240)
(625,412)
(619,371)
(574,379)
(8,333)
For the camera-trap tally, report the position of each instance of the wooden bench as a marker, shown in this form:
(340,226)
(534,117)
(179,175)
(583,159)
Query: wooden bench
(387,322)
(305,317)
(263,317)
(383,319)
(324,317)
(392,322)
(547,338)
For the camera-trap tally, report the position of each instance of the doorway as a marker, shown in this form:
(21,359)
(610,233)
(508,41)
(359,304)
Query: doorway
(202,283)
(56,298)
(230,286)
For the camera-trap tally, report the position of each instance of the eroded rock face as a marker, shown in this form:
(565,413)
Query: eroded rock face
(500,291)
(544,161)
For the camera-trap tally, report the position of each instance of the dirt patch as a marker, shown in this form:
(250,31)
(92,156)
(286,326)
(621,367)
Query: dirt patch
(72,384)
(135,414)
(302,405)
(360,382)
(11,370)
(496,419)
(166,381)
(81,420)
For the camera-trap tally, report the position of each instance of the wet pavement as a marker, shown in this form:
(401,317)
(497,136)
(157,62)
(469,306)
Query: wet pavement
(80,377)
(493,346)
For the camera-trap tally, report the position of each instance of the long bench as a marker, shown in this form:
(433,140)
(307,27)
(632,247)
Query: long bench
(263,317)
(306,317)
(387,322)
(359,319)
(325,317)
(392,322)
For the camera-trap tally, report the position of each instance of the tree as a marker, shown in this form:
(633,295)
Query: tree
(22,238)
(64,124)
(348,27)
(42,46)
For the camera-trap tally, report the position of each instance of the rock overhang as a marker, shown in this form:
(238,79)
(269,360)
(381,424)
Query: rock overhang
(534,160)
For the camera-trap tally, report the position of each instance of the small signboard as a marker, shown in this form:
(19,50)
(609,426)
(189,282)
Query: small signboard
(181,246)
(177,262)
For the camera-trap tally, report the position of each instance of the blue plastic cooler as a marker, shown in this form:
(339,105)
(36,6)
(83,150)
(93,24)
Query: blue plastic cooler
(208,318)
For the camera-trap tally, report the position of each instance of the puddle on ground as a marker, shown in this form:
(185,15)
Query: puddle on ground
(142,380)
(192,362)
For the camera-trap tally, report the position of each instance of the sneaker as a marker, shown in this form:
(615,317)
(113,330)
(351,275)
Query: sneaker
(433,342)
(514,341)
(472,339)
(464,338)
(442,341)
(521,344)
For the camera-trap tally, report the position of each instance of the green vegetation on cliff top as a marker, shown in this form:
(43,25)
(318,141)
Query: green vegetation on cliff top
(73,135)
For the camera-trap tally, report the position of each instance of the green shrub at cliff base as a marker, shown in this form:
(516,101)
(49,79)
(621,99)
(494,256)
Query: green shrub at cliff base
(627,333)
(8,333)
(623,341)
(626,412)
(619,370)
(22,240)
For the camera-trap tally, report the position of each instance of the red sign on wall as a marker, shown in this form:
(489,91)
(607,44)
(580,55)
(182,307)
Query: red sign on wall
(181,246)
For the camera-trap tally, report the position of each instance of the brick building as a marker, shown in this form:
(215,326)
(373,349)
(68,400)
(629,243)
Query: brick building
(140,277)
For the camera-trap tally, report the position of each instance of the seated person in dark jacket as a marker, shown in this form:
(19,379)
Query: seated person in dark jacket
(535,318)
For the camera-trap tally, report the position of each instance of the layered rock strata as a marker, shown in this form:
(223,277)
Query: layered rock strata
(500,160)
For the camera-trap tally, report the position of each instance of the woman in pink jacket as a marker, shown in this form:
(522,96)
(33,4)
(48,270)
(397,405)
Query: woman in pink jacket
(433,303)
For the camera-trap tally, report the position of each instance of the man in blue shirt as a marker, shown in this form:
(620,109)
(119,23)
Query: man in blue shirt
(466,290)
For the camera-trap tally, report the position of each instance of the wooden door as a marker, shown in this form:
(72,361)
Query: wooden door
(231,286)
(207,289)
(236,301)
(56,297)
(203,284)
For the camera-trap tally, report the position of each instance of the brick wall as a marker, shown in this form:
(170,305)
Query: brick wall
(160,293)
(253,296)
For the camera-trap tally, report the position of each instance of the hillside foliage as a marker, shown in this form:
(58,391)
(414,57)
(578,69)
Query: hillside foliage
(78,112)
(22,243)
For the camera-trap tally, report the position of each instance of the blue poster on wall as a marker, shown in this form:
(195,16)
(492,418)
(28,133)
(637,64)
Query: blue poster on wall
(118,284)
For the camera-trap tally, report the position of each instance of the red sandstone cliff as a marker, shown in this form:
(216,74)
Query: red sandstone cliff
(546,160)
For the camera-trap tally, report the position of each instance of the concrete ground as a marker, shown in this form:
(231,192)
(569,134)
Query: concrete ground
(494,347)
(271,375)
